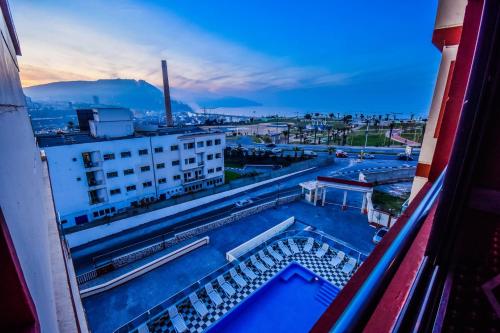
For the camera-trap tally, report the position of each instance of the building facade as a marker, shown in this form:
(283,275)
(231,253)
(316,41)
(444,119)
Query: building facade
(95,177)
(38,292)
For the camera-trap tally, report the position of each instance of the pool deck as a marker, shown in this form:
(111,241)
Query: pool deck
(111,309)
(319,266)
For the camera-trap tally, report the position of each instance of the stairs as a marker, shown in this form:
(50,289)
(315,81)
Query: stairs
(326,294)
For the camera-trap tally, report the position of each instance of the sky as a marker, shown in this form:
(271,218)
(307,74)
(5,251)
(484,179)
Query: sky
(327,56)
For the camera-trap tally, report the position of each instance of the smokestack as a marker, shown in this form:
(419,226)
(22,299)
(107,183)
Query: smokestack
(166,93)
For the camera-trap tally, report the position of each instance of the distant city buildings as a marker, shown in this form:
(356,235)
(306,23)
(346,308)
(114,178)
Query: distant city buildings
(112,168)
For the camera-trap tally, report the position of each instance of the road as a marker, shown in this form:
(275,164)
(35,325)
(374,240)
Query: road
(383,152)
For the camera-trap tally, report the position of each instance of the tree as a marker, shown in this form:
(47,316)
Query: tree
(330,150)
(391,127)
(295,150)
(71,125)
(308,116)
(331,115)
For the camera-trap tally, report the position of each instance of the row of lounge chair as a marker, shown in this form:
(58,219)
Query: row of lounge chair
(262,262)
(347,268)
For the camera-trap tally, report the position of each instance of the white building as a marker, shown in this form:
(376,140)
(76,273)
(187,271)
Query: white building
(111,169)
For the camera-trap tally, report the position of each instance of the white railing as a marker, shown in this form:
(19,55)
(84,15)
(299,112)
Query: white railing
(144,268)
(259,239)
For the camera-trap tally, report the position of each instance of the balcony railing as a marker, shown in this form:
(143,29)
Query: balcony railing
(94,182)
(96,201)
(367,293)
(195,179)
(89,165)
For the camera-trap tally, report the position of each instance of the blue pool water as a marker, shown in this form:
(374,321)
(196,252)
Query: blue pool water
(291,302)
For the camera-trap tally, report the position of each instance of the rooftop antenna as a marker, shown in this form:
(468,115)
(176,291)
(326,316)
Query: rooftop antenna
(166,93)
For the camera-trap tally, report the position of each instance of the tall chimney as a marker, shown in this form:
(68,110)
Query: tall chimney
(166,93)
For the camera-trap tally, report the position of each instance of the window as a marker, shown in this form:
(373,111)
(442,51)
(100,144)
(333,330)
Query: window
(160,165)
(174,147)
(200,144)
(113,209)
(217,142)
(210,157)
(218,169)
(189,145)
(112,174)
(115,191)
(106,210)
(190,160)
(145,168)
(159,150)
(210,170)
(107,157)
(125,154)
(209,143)
(130,188)
(218,155)
(143,152)
(177,177)
(128,172)
(95,214)
(147,184)
(176,162)
(162,180)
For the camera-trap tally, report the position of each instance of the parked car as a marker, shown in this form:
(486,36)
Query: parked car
(379,234)
(404,157)
(310,153)
(276,150)
(243,203)
(366,156)
(341,154)
(270,145)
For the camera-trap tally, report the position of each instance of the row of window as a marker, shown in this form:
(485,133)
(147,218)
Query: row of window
(141,152)
(145,168)
(201,144)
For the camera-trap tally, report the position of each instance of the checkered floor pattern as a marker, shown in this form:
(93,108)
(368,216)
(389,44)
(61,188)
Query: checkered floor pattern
(195,323)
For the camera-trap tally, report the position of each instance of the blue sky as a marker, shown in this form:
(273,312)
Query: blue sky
(328,56)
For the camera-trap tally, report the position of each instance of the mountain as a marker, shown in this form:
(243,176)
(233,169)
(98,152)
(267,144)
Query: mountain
(227,102)
(139,95)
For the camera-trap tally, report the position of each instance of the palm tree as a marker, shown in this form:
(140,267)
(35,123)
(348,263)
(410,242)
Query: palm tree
(308,116)
(295,150)
(391,127)
(330,150)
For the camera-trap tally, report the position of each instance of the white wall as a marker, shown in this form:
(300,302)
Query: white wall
(22,199)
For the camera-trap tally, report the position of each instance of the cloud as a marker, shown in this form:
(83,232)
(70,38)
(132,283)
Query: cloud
(95,40)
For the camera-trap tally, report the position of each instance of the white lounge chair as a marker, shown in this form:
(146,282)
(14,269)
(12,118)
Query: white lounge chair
(213,295)
(247,271)
(275,254)
(237,278)
(349,266)
(293,246)
(226,286)
(177,320)
(309,245)
(337,259)
(322,250)
(284,249)
(257,264)
(268,261)
(198,305)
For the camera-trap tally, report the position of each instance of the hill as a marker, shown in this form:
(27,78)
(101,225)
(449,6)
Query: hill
(134,94)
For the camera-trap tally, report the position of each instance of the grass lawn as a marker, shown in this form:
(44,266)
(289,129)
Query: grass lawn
(231,175)
(387,202)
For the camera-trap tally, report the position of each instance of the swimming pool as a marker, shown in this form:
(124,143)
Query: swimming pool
(291,302)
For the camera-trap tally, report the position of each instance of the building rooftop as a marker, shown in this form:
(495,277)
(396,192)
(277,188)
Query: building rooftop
(51,140)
